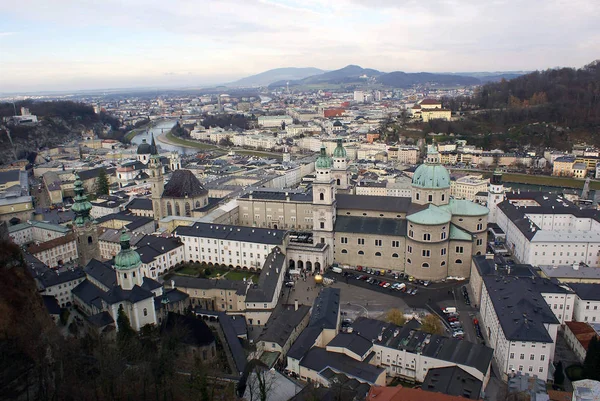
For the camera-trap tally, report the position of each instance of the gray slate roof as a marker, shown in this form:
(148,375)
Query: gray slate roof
(378,203)
(319,359)
(206,284)
(452,380)
(282,323)
(232,233)
(587,292)
(101,272)
(183,183)
(326,309)
(370,225)
(521,309)
(353,342)
(273,268)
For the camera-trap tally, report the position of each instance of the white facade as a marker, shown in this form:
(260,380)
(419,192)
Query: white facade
(467,187)
(274,121)
(586,310)
(512,356)
(163,262)
(34,231)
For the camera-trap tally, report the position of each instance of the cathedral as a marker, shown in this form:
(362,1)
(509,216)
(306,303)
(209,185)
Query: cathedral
(430,236)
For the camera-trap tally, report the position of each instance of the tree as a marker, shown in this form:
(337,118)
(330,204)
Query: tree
(126,332)
(559,374)
(431,324)
(395,316)
(591,363)
(102,183)
(226,142)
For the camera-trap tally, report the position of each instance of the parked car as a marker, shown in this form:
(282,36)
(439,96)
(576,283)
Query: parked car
(426,283)
(459,333)
(386,285)
(359,268)
(414,291)
(370,280)
(452,319)
(382,283)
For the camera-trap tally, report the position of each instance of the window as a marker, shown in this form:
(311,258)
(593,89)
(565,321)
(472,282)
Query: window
(394,255)
(408,261)
(430,198)
(426,237)
(512,355)
(458,261)
(425,265)
(541,369)
(395,244)
(377,242)
(361,253)
(443,197)
(426,253)
(522,356)
(479,226)
(344,251)
(542,357)
(344,240)
(377,253)
(532,357)
(409,249)
(361,241)
(459,249)
(321,196)
(479,241)
(417,196)
(530,368)
(322,225)
(411,233)
(443,251)
(145,312)
(443,235)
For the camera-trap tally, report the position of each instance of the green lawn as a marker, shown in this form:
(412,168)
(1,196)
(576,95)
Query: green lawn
(191,144)
(189,270)
(238,275)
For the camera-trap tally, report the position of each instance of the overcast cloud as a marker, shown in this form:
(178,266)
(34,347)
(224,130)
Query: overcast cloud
(85,44)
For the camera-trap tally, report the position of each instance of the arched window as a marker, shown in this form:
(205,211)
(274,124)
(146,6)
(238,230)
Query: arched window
(145,312)
(377,253)
(188,210)
(177,210)
(478,253)
(339,182)
(425,265)
(125,275)
(443,263)
(443,197)
(197,204)
(361,253)
(394,255)
(90,240)
(443,235)
(321,196)
(169,209)
(458,261)
(344,251)
(418,196)
(426,237)
(408,261)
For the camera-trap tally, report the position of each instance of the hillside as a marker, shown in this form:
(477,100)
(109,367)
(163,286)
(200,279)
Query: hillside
(399,79)
(354,74)
(552,108)
(278,74)
(59,122)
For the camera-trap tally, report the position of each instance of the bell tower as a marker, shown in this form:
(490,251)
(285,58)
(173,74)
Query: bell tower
(340,167)
(495,195)
(324,203)
(157,181)
(84,227)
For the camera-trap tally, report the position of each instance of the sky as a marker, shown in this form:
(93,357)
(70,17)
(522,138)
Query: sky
(97,44)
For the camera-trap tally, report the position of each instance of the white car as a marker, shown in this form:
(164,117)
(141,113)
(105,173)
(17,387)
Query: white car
(458,333)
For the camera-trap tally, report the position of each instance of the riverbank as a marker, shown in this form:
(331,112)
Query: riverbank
(136,131)
(549,181)
(171,139)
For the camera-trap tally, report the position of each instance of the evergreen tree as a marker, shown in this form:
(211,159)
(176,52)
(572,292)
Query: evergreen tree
(591,364)
(559,374)
(125,332)
(102,183)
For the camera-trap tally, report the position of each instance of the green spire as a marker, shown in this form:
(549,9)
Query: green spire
(323,161)
(339,152)
(127,258)
(81,206)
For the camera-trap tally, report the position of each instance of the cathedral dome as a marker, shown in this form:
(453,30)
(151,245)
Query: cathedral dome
(144,148)
(127,258)
(431,177)
(339,152)
(323,161)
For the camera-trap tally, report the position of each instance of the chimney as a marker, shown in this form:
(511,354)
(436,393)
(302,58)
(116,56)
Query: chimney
(295,304)
(172,283)
(489,256)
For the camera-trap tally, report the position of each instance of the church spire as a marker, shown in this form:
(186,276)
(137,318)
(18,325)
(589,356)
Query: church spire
(81,206)
(153,148)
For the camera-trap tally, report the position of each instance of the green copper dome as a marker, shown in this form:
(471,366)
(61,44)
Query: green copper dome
(339,152)
(127,258)
(431,175)
(81,206)
(323,161)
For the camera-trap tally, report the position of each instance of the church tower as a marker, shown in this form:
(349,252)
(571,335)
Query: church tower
(174,161)
(324,203)
(128,265)
(340,167)
(84,226)
(157,180)
(495,195)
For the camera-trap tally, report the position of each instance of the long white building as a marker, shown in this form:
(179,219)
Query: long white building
(546,229)
(246,247)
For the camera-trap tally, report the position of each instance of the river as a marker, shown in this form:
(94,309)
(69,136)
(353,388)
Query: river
(163,126)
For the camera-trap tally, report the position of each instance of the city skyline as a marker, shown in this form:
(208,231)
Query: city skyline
(85,46)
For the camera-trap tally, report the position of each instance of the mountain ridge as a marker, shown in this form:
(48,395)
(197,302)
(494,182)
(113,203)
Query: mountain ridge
(276,74)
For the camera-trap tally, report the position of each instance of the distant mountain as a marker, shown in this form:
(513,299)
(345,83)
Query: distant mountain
(354,74)
(278,74)
(399,79)
(349,74)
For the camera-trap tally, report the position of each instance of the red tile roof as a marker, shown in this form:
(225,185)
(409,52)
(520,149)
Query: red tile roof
(407,394)
(582,331)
